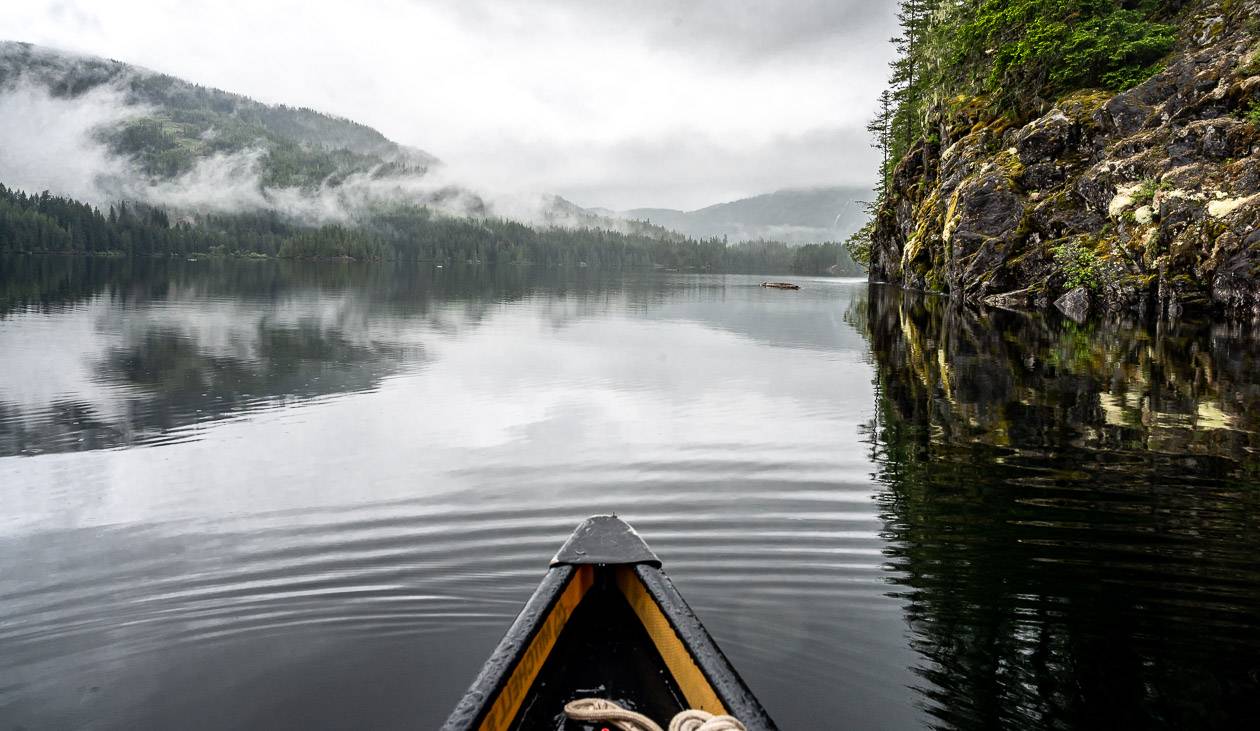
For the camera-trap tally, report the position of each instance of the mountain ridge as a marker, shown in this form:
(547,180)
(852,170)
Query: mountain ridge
(199,153)
(796,215)
(71,73)
(175,143)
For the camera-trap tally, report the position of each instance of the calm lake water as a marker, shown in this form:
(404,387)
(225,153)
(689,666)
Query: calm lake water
(267,495)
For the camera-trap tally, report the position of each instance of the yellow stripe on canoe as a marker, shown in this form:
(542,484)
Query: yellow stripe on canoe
(508,702)
(691,680)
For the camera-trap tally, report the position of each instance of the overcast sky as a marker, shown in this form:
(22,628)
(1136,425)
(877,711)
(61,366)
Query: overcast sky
(670,103)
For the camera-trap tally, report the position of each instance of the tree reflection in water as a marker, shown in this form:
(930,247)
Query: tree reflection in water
(1073,514)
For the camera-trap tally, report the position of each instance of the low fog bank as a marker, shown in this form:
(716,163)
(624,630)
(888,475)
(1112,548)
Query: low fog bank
(60,143)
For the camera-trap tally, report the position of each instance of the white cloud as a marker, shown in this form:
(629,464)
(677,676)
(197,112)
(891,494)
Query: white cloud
(49,144)
(555,95)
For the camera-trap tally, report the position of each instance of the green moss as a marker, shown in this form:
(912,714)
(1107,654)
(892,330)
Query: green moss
(1145,193)
(1183,282)
(1001,123)
(928,216)
(1079,265)
(1010,165)
(1212,229)
(1253,113)
(967,108)
(932,280)
(1081,105)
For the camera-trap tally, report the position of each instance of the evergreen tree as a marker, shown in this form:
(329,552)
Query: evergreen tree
(880,129)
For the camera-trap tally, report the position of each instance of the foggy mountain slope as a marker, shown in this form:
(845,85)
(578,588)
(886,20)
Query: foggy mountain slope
(182,121)
(104,131)
(797,216)
(555,210)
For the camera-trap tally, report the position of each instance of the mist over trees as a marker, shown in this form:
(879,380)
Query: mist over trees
(177,123)
(204,172)
(46,223)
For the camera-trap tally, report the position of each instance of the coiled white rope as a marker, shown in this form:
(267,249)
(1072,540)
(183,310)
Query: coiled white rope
(599,710)
(696,720)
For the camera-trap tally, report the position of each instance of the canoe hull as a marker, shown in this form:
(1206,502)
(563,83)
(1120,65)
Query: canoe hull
(591,610)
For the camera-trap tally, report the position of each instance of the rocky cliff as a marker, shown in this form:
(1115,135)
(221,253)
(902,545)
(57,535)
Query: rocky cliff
(1146,201)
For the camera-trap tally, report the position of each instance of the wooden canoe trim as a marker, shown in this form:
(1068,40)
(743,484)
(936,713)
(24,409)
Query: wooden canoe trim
(518,683)
(521,652)
(720,675)
(691,680)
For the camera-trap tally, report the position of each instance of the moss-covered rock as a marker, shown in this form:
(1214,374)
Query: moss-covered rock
(1162,181)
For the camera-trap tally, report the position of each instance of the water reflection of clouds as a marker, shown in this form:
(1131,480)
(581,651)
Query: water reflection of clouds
(45,358)
(104,375)
(452,441)
(96,366)
(613,393)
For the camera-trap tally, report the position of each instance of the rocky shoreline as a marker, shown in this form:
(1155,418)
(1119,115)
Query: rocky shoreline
(1145,202)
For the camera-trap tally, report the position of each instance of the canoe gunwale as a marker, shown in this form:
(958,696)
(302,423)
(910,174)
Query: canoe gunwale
(726,683)
(490,681)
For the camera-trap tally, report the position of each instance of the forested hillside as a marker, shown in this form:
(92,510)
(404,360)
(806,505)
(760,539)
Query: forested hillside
(1012,58)
(297,183)
(182,123)
(171,143)
(1103,149)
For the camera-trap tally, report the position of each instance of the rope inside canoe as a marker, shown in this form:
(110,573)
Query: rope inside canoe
(599,710)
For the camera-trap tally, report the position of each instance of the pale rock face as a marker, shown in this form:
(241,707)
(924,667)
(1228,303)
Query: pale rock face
(1210,28)
(1224,206)
(1189,195)
(1122,200)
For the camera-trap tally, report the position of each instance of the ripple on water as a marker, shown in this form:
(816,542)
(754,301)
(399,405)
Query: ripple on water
(316,498)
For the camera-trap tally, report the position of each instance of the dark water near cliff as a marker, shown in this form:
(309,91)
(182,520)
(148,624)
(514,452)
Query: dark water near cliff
(274,496)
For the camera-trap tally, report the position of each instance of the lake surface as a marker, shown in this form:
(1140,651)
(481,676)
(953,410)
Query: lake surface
(272,495)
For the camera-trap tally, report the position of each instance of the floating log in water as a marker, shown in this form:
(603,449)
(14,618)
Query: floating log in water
(781,285)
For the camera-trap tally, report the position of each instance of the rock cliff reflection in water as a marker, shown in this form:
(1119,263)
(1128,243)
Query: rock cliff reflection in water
(266,495)
(1073,516)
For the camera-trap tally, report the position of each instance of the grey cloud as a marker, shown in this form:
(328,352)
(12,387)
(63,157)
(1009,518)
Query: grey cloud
(746,30)
(688,169)
(608,102)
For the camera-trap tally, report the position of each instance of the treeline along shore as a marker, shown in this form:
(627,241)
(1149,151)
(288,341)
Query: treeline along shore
(46,223)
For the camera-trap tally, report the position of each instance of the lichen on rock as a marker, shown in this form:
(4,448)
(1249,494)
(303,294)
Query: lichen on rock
(1161,180)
